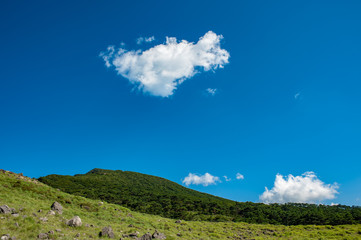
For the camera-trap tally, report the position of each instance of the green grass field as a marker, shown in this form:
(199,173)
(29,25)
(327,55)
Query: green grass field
(28,196)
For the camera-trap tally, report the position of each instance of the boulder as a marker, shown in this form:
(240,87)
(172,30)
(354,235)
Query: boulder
(5,209)
(5,237)
(178,221)
(134,234)
(158,235)
(57,207)
(74,222)
(146,236)
(51,212)
(131,235)
(107,232)
(43,236)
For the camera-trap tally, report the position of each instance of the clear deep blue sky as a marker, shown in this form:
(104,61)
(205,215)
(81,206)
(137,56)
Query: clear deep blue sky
(62,111)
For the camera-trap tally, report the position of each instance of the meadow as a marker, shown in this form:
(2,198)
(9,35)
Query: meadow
(32,199)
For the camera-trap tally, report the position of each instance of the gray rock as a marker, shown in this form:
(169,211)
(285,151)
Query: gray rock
(107,232)
(74,222)
(57,207)
(158,235)
(51,232)
(5,209)
(16,224)
(178,221)
(15,214)
(5,237)
(146,236)
(51,212)
(58,230)
(134,234)
(43,236)
(44,219)
(77,235)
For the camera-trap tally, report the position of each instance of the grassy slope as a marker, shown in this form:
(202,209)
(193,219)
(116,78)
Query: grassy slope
(21,192)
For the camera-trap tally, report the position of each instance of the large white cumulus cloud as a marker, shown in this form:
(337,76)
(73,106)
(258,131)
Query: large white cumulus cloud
(205,180)
(160,69)
(306,188)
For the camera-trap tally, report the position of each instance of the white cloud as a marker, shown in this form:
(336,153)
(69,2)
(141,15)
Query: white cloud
(205,180)
(161,69)
(140,40)
(306,188)
(227,179)
(211,91)
(297,95)
(239,176)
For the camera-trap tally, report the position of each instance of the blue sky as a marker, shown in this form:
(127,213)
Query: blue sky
(287,102)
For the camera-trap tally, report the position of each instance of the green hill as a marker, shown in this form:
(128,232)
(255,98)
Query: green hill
(158,196)
(31,218)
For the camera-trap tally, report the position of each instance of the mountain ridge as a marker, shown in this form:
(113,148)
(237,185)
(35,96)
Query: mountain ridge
(155,195)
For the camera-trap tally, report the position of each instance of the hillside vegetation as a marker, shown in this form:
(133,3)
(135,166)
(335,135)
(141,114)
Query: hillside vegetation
(31,218)
(158,196)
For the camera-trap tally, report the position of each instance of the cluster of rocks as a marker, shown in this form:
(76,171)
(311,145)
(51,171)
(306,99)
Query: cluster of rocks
(57,208)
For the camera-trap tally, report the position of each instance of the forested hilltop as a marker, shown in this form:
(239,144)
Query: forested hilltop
(158,196)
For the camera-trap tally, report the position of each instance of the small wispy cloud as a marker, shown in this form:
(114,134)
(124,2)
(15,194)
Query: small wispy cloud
(205,180)
(140,40)
(306,188)
(239,176)
(297,95)
(227,179)
(211,91)
(162,68)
